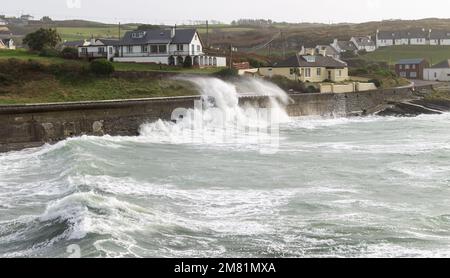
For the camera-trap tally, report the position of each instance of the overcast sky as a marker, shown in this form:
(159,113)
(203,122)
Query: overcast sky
(179,11)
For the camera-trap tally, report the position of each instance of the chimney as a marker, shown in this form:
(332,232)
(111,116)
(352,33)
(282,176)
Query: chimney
(173,32)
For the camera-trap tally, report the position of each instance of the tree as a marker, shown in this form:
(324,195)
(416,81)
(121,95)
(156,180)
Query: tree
(42,38)
(46,19)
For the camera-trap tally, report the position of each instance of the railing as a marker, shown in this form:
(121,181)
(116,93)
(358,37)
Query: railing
(93,55)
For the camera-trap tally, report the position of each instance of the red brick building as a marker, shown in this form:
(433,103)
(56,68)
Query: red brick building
(411,68)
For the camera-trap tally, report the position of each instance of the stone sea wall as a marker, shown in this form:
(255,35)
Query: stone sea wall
(23,126)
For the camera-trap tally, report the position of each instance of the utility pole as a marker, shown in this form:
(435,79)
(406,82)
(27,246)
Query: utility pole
(231,56)
(283,45)
(119,30)
(207,34)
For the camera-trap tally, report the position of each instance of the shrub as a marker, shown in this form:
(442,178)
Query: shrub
(101,67)
(187,62)
(68,69)
(377,82)
(49,52)
(226,73)
(69,53)
(6,79)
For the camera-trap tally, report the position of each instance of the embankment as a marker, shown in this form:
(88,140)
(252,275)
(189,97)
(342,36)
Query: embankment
(23,126)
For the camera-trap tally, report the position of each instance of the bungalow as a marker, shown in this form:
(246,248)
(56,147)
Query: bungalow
(364,43)
(166,46)
(309,68)
(344,46)
(327,50)
(411,68)
(411,37)
(439,37)
(438,72)
(99,48)
(7,44)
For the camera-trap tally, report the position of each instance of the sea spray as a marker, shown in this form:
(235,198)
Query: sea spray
(220,119)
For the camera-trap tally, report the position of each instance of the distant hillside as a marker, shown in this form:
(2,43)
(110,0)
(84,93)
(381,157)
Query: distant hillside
(391,55)
(293,36)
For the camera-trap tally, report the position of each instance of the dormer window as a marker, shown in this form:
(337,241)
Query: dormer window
(138,35)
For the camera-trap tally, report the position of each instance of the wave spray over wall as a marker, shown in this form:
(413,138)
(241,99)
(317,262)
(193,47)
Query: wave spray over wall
(220,118)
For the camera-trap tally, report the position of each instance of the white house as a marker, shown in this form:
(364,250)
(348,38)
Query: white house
(7,44)
(3,22)
(410,37)
(439,37)
(166,46)
(97,48)
(344,46)
(438,72)
(364,43)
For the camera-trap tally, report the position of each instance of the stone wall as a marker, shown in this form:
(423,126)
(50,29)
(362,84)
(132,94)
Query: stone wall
(23,126)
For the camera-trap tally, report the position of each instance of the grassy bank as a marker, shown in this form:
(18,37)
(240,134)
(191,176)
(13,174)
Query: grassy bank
(44,88)
(24,55)
(391,55)
(30,81)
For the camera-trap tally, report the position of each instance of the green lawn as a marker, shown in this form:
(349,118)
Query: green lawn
(391,55)
(75,33)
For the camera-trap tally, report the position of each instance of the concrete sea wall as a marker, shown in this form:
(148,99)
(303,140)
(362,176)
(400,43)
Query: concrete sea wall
(23,126)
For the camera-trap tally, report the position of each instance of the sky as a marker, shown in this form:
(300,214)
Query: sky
(181,11)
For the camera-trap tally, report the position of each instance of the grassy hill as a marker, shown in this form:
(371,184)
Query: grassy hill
(391,55)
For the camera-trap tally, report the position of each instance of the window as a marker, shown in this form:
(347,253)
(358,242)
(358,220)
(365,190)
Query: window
(110,50)
(308,72)
(144,48)
(193,48)
(154,49)
(162,49)
(130,49)
(413,66)
(198,48)
(101,50)
(84,50)
(413,74)
(180,47)
(340,72)
(403,74)
(407,67)
(137,35)
(435,75)
(319,72)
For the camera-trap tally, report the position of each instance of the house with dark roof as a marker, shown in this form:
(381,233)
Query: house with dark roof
(411,68)
(364,43)
(96,48)
(344,46)
(308,68)
(439,37)
(327,50)
(7,44)
(165,46)
(405,37)
(438,72)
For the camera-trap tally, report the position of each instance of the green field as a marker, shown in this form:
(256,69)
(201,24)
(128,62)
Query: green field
(75,33)
(391,55)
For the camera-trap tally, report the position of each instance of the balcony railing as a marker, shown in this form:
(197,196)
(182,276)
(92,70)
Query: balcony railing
(93,55)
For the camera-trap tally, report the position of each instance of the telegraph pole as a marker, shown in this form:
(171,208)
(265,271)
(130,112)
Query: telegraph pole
(207,34)
(119,30)
(231,56)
